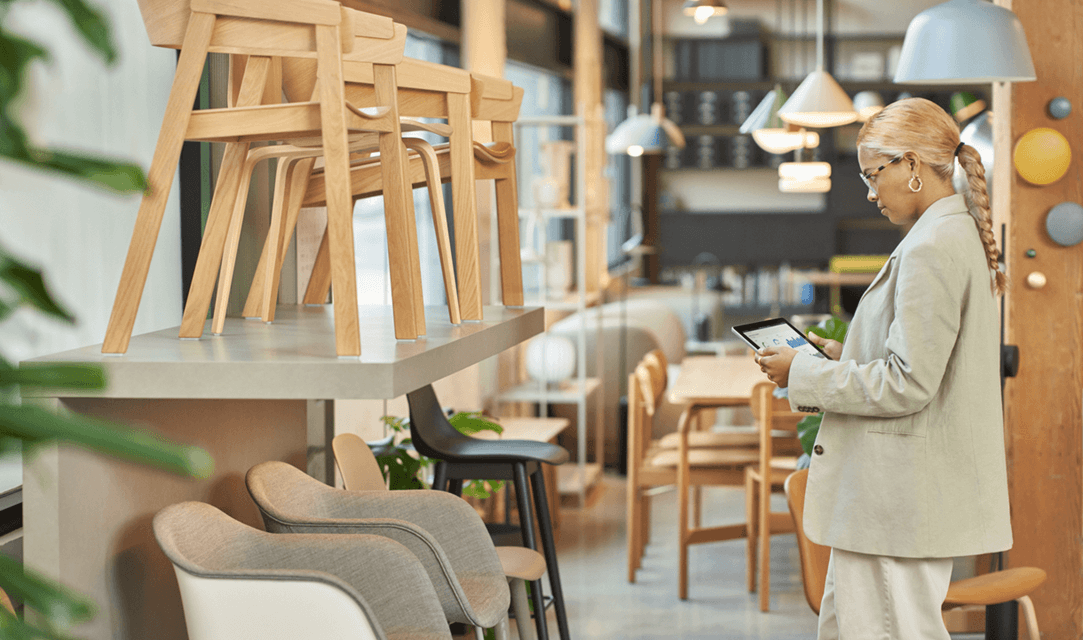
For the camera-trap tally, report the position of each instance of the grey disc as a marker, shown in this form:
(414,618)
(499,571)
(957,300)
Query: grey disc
(1064,224)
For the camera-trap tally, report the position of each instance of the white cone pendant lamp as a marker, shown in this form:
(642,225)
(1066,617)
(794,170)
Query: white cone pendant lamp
(819,101)
(769,131)
(703,10)
(804,177)
(644,134)
(965,42)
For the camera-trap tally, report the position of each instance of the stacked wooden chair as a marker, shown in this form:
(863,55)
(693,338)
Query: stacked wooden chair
(355,106)
(778,448)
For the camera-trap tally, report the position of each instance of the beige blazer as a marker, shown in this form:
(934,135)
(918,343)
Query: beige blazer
(909,460)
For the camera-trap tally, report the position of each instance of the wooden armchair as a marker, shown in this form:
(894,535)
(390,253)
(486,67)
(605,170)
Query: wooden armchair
(264,31)
(988,589)
(777,427)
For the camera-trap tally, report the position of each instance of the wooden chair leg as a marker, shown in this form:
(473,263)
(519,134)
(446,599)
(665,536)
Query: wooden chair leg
(464,194)
(507,218)
(412,245)
(229,256)
(219,219)
(751,514)
(632,519)
(697,506)
(277,238)
(337,177)
(439,223)
(683,482)
(396,192)
(1030,616)
(644,526)
(763,523)
(160,180)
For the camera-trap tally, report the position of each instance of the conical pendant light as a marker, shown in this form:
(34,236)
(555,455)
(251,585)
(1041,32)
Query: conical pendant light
(964,42)
(647,134)
(703,10)
(770,132)
(819,101)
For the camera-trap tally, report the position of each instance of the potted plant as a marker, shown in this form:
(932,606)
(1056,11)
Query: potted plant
(833,328)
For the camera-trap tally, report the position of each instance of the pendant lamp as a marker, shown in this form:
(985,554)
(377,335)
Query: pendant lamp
(770,132)
(703,10)
(804,177)
(867,104)
(647,134)
(819,101)
(965,42)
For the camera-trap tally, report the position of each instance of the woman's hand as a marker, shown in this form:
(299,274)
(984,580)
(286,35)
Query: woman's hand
(775,362)
(833,348)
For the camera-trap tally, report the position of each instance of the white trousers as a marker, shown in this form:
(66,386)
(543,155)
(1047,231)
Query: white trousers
(883,598)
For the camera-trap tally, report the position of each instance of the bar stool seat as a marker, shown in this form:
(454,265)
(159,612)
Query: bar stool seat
(461,457)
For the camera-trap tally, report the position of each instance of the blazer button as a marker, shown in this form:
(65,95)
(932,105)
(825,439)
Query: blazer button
(819,450)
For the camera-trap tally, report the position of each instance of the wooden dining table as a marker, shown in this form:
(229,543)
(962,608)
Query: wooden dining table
(708,382)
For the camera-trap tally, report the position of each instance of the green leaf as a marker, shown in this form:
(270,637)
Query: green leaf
(35,424)
(59,605)
(834,328)
(807,429)
(473,422)
(93,26)
(112,174)
(53,376)
(29,284)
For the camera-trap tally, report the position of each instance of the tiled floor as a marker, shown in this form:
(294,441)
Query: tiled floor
(602,604)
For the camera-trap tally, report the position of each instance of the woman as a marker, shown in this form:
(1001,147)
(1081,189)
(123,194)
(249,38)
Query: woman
(908,468)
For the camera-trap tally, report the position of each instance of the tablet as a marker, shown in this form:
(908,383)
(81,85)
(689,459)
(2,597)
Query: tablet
(776,332)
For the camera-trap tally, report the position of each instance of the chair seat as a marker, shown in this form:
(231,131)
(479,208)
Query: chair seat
(505,451)
(520,562)
(996,587)
(712,439)
(708,457)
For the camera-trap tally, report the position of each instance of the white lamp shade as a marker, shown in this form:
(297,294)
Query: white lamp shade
(816,185)
(783,140)
(818,102)
(765,115)
(867,104)
(964,42)
(703,10)
(803,171)
(644,134)
(550,358)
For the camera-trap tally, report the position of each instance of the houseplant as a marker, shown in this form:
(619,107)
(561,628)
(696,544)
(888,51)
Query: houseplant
(834,328)
(25,427)
(403,467)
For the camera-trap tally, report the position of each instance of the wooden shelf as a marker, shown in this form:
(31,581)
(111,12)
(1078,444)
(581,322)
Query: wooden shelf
(294,357)
(841,279)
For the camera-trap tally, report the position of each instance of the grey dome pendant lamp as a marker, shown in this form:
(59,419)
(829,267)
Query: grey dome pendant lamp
(647,133)
(818,101)
(965,42)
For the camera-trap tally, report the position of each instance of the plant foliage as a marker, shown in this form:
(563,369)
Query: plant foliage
(402,466)
(834,328)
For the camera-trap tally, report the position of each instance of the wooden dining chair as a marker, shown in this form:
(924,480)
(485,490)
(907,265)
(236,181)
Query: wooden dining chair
(651,467)
(263,31)
(495,102)
(778,449)
(987,589)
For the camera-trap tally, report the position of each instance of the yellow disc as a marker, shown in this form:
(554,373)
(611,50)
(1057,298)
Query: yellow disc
(1042,156)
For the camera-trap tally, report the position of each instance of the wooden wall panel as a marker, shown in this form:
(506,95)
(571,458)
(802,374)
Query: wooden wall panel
(1044,407)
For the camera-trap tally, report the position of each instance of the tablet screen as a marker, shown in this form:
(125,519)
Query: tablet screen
(776,332)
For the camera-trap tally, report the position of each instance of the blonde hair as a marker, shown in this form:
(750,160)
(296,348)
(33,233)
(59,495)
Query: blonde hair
(918,125)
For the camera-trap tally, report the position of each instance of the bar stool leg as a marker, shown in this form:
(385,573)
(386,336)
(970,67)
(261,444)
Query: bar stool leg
(526,524)
(439,477)
(541,502)
(456,486)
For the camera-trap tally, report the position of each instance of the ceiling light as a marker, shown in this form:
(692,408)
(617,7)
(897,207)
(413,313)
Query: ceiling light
(816,185)
(867,104)
(965,42)
(644,133)
(818,101)
(804,171)
(703,10)
(770,132)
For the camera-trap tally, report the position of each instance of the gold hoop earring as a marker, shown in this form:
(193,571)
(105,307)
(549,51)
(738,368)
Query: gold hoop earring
(911,184)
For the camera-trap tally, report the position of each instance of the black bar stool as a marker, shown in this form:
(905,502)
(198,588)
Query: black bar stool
(464,458)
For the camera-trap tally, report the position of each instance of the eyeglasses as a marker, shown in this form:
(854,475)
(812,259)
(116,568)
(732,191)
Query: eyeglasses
(867,178)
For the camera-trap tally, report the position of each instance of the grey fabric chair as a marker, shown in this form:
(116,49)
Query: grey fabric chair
(442,530)
(238,583)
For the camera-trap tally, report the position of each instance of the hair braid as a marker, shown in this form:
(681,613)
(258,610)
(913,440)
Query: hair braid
(978,196)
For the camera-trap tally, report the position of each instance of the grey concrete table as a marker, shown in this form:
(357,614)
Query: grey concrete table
(257,392)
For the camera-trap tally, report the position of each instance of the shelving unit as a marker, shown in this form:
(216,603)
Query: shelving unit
(574,482)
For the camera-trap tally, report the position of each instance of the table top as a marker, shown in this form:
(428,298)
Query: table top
(719,381)
(294,357)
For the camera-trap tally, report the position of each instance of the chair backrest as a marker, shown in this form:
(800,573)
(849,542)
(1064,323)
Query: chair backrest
(659,366)
(357,464)
(430,431)
(227,590)
(494,99)
(814,557)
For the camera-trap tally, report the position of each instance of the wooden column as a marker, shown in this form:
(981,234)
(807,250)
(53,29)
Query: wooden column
(1044,409)
(588,100)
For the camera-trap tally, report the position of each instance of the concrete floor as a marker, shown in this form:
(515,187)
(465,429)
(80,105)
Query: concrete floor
(602,604)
